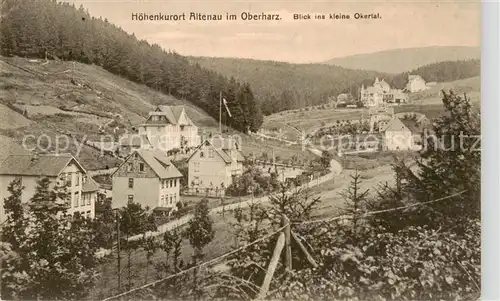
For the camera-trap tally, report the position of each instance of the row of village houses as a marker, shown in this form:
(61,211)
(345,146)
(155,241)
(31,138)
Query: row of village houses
(147,175)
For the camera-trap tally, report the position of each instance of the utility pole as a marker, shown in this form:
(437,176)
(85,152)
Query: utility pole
(118,249)
(220,112)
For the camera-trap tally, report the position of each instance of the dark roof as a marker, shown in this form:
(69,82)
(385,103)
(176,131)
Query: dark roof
(412,125)
(163,209)
(224,152)
(49,165)
(221,153)
(158,161)
(173,113)
(9,146)
(90,185)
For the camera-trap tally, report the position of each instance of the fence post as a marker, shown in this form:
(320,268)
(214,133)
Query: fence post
(288,247)
(304,250)
(272,267)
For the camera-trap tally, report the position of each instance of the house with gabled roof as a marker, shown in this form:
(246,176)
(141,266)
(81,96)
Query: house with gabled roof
(149,178)
(63,170)
(416,83)
(170,127)
(402,135)
(214,164)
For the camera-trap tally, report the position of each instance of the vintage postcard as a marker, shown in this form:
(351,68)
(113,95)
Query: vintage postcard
(240,150)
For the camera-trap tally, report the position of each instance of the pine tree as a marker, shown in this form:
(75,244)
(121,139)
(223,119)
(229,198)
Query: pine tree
(16,222)
(354,200)
(449,163)
(200,233)
(55,252)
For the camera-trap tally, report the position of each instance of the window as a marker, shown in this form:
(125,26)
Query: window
(175,182)
(171,183)
(130,167)
(210,153)
(196,167)
(77,179)
(77,200)
(202,155)
(88,214)
(162,203)
(170,199)
(88,199)
(141,167)
(130,198)
(131,183)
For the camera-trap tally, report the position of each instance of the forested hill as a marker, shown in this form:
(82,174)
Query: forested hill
(282,86)
(401,60)
(447,71)
(45,28)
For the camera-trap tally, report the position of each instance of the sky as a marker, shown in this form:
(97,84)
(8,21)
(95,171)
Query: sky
(404,24)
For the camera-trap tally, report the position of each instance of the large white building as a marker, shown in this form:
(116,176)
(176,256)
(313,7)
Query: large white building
(169,127)
(380,94)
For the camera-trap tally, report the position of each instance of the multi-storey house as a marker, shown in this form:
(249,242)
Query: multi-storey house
(169,127)
(149,178)
(63,170)
(214,164)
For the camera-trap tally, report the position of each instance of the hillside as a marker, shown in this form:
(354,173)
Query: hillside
(53,104)
(281,86)
(447,71)
(59,31)
(401,60)
(470,86)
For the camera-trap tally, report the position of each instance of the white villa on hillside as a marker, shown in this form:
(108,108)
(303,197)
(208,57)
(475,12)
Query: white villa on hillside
(380,94)
(169,127)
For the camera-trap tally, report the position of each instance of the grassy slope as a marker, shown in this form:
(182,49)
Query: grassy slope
(43,89)
(401,60)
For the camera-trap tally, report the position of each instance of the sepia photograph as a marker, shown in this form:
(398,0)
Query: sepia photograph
(240,150)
